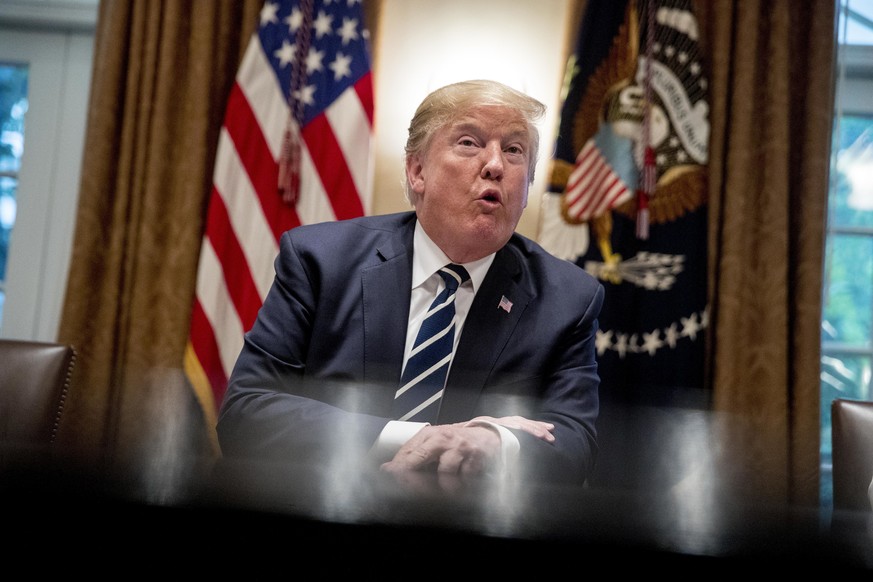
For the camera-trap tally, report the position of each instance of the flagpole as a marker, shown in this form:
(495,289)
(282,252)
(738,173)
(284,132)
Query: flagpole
(647,177)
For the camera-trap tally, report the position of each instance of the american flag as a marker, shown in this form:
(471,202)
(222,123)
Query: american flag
(323,112)
(595,186)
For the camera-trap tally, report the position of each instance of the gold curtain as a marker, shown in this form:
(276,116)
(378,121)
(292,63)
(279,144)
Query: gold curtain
(771,98)
(161,74)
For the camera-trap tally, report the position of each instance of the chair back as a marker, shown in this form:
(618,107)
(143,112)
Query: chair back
(34,380)
(852,446)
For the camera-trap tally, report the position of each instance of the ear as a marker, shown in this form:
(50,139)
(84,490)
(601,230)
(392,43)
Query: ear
(415,174)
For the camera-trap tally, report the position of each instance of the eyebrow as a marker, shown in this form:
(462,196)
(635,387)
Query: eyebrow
(471,126)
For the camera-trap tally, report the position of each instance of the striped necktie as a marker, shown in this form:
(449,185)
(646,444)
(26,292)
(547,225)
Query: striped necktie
(421,386)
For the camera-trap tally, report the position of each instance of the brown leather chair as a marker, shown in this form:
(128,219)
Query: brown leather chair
(852,446)
(34,380)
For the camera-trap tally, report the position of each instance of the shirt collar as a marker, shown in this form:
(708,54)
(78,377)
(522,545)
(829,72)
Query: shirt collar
(428,258)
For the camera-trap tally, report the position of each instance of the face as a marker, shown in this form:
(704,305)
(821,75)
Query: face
(472,182)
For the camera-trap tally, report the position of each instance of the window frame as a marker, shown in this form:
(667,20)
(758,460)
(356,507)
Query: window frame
(59,64)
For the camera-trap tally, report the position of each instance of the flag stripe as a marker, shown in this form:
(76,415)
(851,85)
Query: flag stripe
(364,89)
(255,235)
(245,294)
(331,167)
(206,350)
(261,168)
(218,307)
(593,187)
(350,112)
(257,82)
(588,163)
(590,186)
(246,213)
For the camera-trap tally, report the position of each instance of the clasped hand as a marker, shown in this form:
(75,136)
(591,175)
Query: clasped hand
(465,449)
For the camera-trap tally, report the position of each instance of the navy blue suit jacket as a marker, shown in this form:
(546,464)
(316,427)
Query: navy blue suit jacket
(318,370)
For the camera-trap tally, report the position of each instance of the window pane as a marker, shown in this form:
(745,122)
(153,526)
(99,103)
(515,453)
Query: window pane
(844,376)
(847,349)
(851,200)
(856,20)
(13,106)
(7,218)
(848,294)
(8,186)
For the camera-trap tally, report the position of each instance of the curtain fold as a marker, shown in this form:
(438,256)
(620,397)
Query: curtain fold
(161,74)
(772,66)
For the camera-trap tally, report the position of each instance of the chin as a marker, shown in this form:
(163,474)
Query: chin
(490,236)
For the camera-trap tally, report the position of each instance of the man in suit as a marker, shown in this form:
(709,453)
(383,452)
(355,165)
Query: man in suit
(320,371)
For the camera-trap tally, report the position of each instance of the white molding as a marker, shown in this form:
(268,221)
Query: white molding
(49,14)
(857,60)
(854,80)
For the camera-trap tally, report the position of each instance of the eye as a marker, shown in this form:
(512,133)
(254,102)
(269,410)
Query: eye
(514,149)
(466,141)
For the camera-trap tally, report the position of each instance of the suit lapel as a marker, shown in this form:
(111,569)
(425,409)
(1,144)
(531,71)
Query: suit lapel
(475,359)
(385,288)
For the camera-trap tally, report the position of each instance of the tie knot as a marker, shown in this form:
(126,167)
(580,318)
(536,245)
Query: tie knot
(454,275)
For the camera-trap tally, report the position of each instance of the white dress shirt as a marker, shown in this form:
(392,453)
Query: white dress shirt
(427,260)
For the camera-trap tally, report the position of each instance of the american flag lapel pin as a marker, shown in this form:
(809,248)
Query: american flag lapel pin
(505,304)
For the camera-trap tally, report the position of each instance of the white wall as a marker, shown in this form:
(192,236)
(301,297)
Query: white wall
(424,44)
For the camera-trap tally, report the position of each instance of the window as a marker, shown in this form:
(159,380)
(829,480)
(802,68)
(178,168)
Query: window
(45,57)
(847,309)
(13,106)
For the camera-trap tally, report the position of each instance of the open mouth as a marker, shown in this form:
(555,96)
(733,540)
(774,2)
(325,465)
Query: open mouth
(491,197)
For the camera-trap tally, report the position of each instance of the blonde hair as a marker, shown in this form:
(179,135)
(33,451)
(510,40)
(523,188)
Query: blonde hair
(446,104)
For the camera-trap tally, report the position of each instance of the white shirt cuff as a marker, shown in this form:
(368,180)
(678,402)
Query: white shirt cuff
(509,446)
(392,437)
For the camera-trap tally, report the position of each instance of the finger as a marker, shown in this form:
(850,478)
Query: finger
(419,452)
(471,460)
(473,465)
(541,430)
(450,483)
(531,423)
(451,461)
(538,428)
(414,458)
(417,481)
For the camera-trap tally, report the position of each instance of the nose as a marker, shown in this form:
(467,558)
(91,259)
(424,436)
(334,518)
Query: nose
(492,168)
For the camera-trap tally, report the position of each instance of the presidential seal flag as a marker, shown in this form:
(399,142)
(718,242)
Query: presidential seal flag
(627,194)
(295,148)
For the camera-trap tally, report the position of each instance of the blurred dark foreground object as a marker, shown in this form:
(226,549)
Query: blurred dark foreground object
(252,518)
